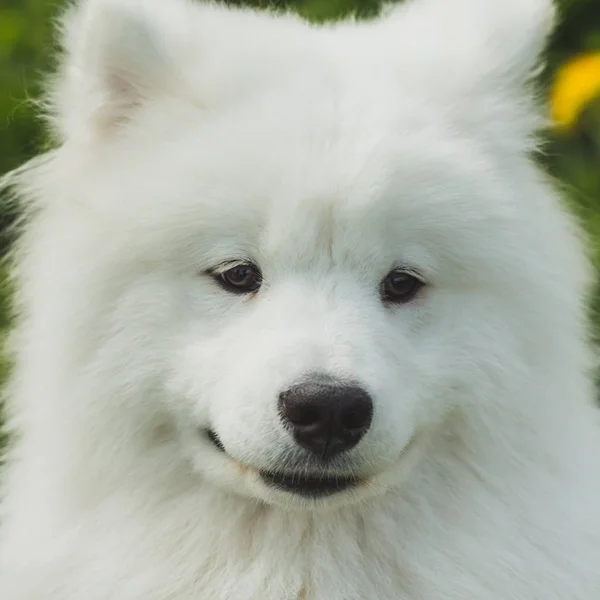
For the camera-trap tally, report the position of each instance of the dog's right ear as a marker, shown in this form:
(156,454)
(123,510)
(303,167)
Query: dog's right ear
(117,54)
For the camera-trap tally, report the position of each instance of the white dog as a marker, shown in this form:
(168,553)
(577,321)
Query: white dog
(299,317)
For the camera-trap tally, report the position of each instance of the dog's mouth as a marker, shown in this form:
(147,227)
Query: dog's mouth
(305,485)
(309,486)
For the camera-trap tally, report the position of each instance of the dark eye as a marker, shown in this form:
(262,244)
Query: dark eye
(400,286)
(244,278)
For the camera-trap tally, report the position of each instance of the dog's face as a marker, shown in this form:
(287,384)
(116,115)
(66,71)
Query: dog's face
(338,294)
(323,256)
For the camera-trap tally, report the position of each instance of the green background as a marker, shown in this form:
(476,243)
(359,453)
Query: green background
(26,50)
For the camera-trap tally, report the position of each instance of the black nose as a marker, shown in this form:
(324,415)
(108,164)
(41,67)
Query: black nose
(326,417)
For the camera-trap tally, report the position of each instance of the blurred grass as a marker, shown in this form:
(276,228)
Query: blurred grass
(5,324)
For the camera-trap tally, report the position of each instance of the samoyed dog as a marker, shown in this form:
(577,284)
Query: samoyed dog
(299,318)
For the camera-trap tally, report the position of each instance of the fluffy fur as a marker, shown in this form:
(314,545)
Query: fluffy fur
(191,135)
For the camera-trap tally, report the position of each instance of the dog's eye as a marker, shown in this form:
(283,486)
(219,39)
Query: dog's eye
(400,286)
(240,279)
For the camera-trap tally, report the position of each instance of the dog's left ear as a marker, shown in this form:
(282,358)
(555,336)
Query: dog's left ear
(480,56)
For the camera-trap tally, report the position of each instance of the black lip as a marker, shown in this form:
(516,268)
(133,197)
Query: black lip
(309,486)
(214,438)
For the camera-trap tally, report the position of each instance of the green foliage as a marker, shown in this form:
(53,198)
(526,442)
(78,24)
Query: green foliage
(25,48)
(5,314)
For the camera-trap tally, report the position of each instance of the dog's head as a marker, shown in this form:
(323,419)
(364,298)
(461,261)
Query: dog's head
(310,247)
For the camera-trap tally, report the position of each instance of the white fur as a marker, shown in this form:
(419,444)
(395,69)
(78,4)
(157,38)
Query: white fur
(192,134)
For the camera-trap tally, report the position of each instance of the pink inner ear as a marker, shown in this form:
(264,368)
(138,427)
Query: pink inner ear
(113,52)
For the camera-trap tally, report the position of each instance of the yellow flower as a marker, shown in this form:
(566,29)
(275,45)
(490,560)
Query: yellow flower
(577,84)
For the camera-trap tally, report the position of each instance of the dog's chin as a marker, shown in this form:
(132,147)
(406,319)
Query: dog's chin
(301,488)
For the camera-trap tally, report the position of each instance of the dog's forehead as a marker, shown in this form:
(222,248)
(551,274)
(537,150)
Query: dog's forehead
(314,177)
(353,182)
